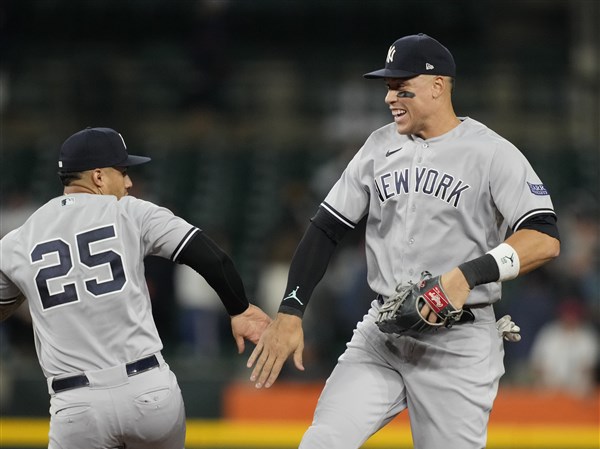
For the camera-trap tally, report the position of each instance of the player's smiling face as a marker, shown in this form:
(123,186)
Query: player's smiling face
(408,99)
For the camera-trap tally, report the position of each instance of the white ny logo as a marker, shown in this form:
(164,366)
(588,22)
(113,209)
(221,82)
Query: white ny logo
(391,52)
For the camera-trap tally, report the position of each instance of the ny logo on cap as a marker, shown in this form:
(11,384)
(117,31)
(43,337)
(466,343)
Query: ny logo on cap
(390,55)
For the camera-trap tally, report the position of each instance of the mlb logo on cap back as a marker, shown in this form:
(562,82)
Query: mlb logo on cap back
(96,148)
(414,55)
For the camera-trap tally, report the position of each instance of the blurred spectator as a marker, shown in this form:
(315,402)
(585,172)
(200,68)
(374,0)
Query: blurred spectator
(565,351)
(531,302)
(580,260)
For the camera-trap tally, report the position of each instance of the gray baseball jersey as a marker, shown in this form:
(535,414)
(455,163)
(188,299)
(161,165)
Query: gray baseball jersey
(435,204)
(79,261)
(432,205)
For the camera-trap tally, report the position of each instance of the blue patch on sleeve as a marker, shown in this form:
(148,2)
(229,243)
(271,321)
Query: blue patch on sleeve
(538,189)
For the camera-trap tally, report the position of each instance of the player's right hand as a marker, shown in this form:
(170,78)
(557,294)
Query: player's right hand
(283,337)
(249,325)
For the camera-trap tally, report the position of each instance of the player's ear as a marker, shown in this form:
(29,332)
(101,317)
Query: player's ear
(442,85)
(97,176)
(438,86)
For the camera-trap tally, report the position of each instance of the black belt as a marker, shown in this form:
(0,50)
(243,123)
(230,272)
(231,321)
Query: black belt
(81,380)
(467,316)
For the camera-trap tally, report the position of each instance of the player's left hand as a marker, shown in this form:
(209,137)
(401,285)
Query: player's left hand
(283,337)
(457,289)
(249,325)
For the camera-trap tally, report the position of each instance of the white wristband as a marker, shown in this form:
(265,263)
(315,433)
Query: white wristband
(507,260)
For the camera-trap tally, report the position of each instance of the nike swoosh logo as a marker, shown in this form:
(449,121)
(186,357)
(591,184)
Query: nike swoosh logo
(390,152)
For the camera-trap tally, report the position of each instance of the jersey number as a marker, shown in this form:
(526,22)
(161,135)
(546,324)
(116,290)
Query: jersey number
(65,265)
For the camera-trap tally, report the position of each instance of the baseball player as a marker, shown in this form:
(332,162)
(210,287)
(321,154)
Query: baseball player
(79,261)
(440,193)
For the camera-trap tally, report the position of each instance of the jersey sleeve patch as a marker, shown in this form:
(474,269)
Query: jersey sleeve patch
(538,189)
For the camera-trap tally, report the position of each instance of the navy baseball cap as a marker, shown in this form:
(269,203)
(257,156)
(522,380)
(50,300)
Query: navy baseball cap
(414,55)
(96,148)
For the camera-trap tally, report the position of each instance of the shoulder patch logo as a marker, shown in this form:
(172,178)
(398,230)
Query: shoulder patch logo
(538,189)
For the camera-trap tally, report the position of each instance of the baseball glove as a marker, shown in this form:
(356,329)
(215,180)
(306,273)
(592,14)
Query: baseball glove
(402,312)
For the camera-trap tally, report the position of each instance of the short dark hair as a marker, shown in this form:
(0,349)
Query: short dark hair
(66,178)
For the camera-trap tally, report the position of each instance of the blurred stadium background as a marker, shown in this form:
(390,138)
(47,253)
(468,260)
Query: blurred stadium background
(250,109)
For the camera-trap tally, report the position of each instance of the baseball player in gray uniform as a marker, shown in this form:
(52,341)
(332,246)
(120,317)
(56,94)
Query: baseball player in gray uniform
(79,261)
(439,194)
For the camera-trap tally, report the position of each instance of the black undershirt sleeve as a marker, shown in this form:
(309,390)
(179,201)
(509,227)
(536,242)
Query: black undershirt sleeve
(484,269)
(545,223)
(310,261)
(213,264)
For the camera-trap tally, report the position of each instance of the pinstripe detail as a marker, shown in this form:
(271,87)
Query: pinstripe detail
(191,233)
(532,213)
(337,215)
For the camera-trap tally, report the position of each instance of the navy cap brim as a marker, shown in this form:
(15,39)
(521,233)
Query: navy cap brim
(387,73)
(134,160)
